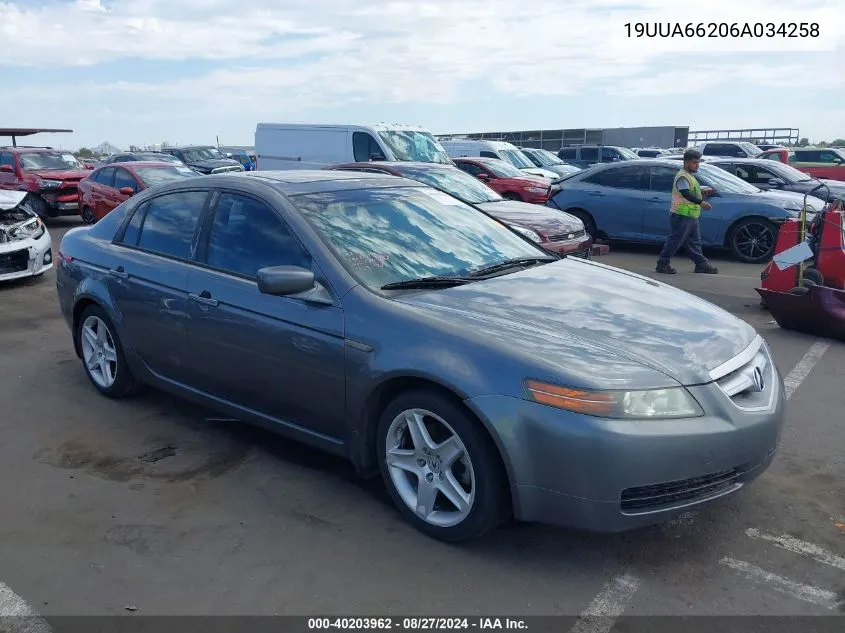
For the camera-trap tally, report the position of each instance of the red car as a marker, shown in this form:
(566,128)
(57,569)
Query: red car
(110,185)
(51,176)
(819,162)
(506,179)
(552,229)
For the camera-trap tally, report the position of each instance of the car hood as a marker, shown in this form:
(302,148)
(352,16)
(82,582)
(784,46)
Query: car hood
(542,172)
(544,220)
(60,174)
(779,197)
(213,163)
(596,325)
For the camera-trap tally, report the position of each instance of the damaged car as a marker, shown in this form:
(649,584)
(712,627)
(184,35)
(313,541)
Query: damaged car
(50,175)
(26,249)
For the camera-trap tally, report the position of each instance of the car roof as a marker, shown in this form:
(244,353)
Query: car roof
(141,163)
(305,181)
(32,150)
(397,165)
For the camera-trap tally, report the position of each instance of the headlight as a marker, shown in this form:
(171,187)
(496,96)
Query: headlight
(531,235)
(536,189)
(648,404)
(33,230)
(49,184)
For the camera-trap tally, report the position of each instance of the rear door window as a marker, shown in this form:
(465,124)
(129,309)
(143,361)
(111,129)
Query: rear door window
(590,154)
(620,178)
(170,223)
(567,152)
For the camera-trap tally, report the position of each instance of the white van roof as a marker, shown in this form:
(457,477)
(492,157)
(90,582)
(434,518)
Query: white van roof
(385,127)
(480,143)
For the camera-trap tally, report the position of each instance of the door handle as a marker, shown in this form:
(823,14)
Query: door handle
(119,273)
(204,298)
(655,199)
(596,193)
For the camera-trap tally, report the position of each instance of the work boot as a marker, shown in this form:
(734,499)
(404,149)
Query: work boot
(707,269)
(666,269)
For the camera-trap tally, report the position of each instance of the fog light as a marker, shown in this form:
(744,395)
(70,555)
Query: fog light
(48,257)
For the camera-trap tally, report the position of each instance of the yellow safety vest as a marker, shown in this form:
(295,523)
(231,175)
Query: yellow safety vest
(680,205)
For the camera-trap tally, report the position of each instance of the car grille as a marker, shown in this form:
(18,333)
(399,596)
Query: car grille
(564,237)
(14,262)
(752,384)
(673,494)
(228,168)
(583,253)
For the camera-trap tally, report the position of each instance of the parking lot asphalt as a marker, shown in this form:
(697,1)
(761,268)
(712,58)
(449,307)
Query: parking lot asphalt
(148,503)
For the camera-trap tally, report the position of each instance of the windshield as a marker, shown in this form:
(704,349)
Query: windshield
(722,181)
(197,154)
(382,236)
(752,149)
(504,170)
(414,146)
(455,182)
(49,160)
(515,158)
(547,157)
(153,175)
(790,174)
(627,153)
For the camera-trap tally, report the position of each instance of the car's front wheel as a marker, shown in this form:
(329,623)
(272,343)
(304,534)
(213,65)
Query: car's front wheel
(441,468)
(752,240)
(88,215)
(102,354)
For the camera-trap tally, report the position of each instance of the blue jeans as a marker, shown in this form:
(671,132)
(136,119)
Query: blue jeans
(685,231)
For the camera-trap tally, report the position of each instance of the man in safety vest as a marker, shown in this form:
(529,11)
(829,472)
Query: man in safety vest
(687,203)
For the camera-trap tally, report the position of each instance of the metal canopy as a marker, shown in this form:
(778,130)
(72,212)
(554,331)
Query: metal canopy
(15,132)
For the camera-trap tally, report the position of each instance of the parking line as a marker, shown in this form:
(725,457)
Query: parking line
(17,616)
(792,544)
(608,605)
(807,593)
(794,378)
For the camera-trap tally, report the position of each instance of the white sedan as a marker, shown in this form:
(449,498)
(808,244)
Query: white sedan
(26,249)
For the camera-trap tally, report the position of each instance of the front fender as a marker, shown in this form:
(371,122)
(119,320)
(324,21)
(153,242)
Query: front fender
(93,289)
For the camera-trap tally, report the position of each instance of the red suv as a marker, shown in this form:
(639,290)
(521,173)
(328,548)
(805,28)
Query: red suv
(505,179)
(51,175)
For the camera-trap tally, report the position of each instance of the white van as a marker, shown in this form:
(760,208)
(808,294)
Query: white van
(465,148)
(304,146)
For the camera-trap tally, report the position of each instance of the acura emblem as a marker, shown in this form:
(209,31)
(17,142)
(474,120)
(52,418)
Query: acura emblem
(759,381)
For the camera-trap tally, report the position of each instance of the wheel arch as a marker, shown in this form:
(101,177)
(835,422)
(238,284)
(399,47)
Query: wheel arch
(776,221)
(365,457)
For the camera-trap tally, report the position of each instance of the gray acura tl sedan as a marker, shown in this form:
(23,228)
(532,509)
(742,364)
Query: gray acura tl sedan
(383,320)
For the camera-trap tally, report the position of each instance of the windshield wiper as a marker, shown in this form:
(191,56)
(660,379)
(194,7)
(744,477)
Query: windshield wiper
(427,282)
(512,263)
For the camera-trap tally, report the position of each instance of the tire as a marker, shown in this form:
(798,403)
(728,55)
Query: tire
(37,205)
(477,470)
(120,383)
(587,219)
(798,290)
(88,216)
(512,196)
(813,277)
(752,240)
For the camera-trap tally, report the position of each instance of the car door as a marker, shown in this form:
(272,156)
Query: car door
(280,356)
(820,163)
(150,286)
(123,178)
(102,185)
(656,221)
(617,198)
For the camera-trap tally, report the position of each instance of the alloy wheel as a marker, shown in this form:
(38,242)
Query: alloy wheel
(87,216)
(430,467)
(99,352)
(754,241)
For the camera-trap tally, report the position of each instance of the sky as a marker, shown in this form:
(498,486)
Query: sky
(190,71)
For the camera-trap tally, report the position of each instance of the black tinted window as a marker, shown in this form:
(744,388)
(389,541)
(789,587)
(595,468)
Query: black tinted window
(662,178)
(133,229)
(169,224)
(364,146)
(471,168)
(590,153)
(106,176)
(488,154)
(123,178)
(608,154)
(622,178)
(247,236)
(567,152)
(7,159)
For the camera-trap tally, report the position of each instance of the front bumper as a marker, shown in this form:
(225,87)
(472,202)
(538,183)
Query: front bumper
(26,258)
(577,248)
(613,475)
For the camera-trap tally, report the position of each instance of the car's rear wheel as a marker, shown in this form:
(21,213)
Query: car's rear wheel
(441,468)
(102,354)
(752,240)
(88,215)
(813,277)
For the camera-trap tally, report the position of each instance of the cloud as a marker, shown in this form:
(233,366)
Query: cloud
(302,55)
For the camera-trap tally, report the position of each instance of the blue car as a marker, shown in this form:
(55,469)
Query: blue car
(630,201)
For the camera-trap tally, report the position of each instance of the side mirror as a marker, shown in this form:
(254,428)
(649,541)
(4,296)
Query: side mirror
(483,177)
(7,169)
(777,182)
(285,280)
(375,156)
(127,191)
